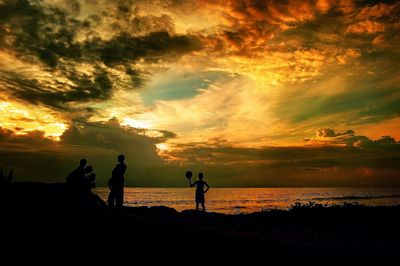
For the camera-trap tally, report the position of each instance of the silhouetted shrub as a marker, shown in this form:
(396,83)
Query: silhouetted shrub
(6,179)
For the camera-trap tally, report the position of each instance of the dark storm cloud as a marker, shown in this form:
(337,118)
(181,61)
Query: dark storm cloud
(329,137)
(327,149)
(48,34)
(166,135)
(95,87)
(125,48)
(33,138)
(330,158)
(144,24)
(359,150)
(36,157)
(324,165)
(111,135)
(83,56)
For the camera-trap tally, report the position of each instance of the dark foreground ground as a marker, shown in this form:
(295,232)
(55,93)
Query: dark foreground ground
(38,225)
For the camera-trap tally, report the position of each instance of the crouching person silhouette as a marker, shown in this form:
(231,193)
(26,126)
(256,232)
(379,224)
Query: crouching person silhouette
(116,184)
(200,191)
(74,179)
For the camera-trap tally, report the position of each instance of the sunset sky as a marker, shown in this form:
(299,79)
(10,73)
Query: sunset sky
(252,93)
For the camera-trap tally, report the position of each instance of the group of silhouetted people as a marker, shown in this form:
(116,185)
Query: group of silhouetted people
(81,181)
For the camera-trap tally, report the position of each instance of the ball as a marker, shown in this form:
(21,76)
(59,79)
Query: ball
(188,174)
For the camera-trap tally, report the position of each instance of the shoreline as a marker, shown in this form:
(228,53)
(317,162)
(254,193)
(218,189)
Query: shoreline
(242,200)
(41,226)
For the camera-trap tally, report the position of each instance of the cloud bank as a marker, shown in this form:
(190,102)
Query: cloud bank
(234,87)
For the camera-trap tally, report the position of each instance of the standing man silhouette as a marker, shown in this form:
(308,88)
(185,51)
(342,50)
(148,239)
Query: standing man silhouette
(116,183)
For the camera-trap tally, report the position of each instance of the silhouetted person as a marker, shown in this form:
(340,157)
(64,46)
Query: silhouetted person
(87,183)
(200,191)
(90,181)
(77,176)
(116,184)
(88,169)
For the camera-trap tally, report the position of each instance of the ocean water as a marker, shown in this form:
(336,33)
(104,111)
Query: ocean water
(247,200)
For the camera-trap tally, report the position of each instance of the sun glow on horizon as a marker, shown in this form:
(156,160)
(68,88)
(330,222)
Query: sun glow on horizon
(22,119)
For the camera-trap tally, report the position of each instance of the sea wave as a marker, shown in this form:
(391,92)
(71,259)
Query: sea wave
(358,197)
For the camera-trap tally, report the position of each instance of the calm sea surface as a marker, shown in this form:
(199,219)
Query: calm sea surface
(245,200)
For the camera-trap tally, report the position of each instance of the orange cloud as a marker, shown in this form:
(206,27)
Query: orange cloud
(252,24)
(270,47)
(23,118)
(347,6)
(324,5)
(366,26)
(348,55)
(378,10)
(379,40)
(374,18)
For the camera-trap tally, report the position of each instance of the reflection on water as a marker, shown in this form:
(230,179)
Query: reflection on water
(245,200)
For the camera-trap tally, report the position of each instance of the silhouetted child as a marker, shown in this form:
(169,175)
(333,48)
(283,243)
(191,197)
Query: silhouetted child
(200,191)
(87,170)
(90,182)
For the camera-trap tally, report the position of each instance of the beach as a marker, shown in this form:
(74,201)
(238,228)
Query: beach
(46,228)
